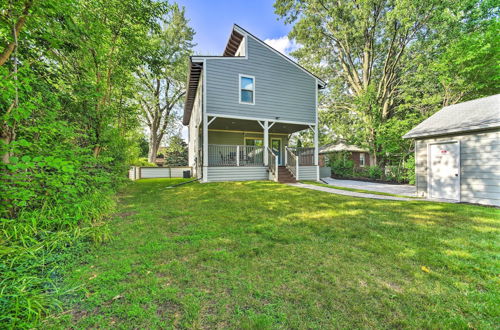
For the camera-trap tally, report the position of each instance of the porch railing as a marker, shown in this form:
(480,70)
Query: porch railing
(305,156)
(292,162)
(272,163)
(235,155)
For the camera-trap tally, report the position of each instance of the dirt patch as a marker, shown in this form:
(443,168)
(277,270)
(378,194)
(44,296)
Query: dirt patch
(169,310)
(124,215)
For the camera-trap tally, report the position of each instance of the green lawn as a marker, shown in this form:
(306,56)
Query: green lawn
(266,255)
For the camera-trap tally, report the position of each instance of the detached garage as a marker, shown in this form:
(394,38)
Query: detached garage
(457,152)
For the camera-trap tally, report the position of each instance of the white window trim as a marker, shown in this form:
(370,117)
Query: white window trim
(239,90)
(364,159)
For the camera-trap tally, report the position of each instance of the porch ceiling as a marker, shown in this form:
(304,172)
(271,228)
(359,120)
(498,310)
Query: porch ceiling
(253,126)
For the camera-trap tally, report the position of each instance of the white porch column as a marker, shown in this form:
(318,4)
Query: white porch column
(316,150)
(266,142)
(205,148)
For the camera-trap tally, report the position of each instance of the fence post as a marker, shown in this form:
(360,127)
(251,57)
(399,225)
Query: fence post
(238,155)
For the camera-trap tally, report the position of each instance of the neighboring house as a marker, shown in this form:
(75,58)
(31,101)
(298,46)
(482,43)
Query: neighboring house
(360,156)
(241,109)
(457,152)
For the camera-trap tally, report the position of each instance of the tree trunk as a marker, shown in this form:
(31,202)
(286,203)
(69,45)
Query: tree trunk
(154,144)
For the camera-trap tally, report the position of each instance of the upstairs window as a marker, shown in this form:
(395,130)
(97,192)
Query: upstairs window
(247,89)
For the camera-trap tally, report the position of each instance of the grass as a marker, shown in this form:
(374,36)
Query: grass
(266,255)
(357,190)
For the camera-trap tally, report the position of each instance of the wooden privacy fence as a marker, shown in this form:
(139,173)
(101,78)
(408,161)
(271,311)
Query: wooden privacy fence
(140,172)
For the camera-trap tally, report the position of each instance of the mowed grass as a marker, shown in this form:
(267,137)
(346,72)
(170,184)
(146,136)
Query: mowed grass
(266,255)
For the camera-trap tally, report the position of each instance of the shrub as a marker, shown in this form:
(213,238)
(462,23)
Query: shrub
(143,162)
(375,172)
(342,167)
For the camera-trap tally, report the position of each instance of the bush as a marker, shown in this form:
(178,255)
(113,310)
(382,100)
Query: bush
(143,162)
(375,172)
(342,167)
(409,167)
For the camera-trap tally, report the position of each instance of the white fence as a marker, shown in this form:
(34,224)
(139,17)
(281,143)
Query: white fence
(139,172)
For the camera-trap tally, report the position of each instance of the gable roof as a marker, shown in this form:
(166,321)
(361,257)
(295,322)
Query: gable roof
(196,65)
(479,114)
(340,146)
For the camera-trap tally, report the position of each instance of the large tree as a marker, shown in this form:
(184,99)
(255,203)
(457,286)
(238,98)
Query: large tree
(360,47)
(162,78)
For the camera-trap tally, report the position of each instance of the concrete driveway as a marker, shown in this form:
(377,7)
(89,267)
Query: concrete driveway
(397,189)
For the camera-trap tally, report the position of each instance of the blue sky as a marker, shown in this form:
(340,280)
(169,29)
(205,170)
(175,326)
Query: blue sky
(213,19)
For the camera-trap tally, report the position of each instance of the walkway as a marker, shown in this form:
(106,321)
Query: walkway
(350,193)
(396,189)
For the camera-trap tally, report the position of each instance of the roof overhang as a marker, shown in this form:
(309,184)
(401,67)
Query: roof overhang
(194,75)
(469,130)
(233,43)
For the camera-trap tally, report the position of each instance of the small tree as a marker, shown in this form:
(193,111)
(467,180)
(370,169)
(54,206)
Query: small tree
(176,152)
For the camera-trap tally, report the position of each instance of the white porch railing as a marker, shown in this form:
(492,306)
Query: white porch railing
(273,163)
(292,162)
(235,155)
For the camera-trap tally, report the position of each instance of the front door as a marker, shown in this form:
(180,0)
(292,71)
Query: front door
(444,172)
(276,147)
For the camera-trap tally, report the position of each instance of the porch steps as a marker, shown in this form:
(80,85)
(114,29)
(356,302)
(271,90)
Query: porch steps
(284,175)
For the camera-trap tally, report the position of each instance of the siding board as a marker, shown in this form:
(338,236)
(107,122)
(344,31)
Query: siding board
(281,89)
(480,166)
(244,173)
(307,172)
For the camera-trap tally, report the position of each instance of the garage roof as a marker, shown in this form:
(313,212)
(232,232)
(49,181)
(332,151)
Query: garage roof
(479,114)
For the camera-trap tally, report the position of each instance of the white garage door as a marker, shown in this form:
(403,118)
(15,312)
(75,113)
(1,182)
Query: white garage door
(444,171)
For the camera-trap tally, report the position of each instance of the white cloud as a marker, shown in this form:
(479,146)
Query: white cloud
(283,45)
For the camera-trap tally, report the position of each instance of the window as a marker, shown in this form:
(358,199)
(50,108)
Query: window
(247,89)
(362,159)
(254,142)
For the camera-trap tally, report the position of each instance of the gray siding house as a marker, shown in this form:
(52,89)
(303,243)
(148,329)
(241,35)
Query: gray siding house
(241,109)
(457,152)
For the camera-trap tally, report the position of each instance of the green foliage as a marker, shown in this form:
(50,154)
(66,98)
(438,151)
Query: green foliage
(142,161)
(162,78)
(391,64)
(176,152)
(375,172)
(69,132)
(341,164)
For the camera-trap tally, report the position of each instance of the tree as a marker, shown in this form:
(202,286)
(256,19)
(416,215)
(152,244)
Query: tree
(163,77)
(176,152)
(69,128)
(360,47)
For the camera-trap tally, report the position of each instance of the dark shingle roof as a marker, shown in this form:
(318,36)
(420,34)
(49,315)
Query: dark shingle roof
(483,113)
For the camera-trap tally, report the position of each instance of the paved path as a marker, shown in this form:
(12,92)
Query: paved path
(350,193)
(396,189)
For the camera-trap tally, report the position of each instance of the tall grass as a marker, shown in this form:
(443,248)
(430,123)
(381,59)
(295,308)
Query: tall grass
(35,244)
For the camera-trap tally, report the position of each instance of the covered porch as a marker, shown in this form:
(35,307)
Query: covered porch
(244,149)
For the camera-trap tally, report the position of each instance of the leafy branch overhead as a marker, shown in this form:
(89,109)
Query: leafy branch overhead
(369,52)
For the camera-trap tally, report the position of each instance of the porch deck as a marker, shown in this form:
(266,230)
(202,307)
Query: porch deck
(244,162)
